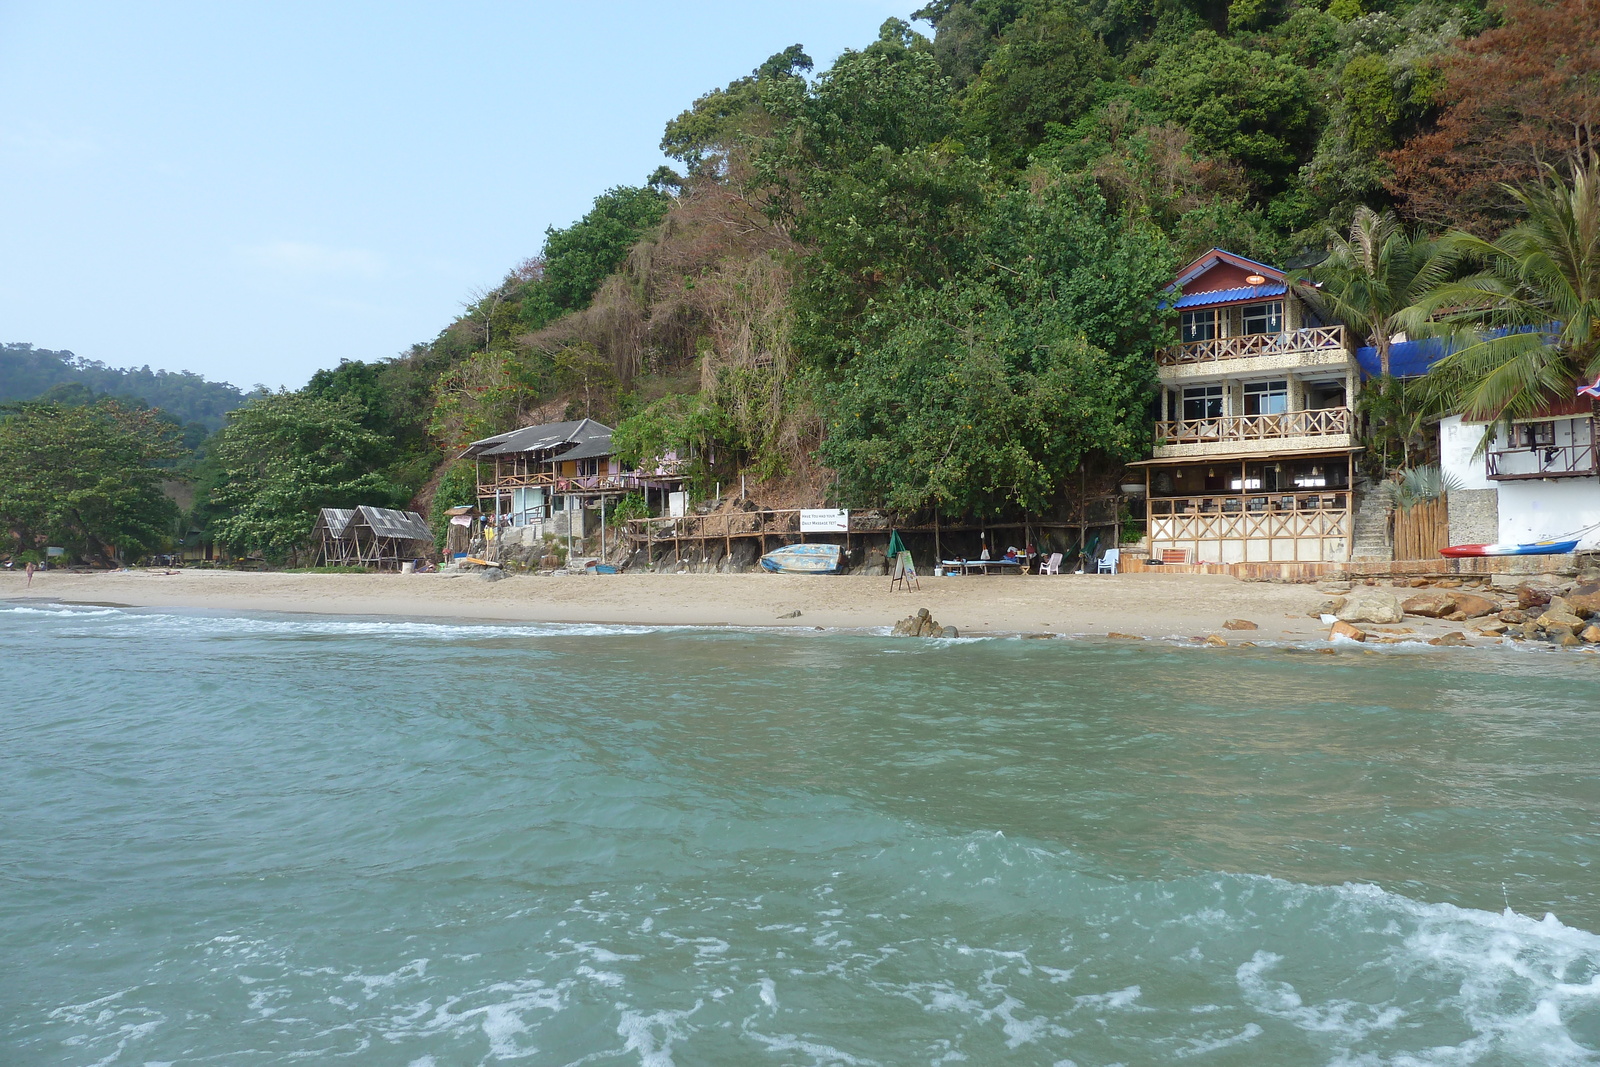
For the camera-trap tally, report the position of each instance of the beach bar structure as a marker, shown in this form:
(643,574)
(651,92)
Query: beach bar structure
(538,473)
(1255,437)
(332,535)
(385,538)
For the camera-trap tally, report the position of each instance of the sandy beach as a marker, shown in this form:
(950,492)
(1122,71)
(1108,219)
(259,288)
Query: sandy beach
(1143,604)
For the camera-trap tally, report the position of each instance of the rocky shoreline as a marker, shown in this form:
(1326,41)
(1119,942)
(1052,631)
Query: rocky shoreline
(1563,614)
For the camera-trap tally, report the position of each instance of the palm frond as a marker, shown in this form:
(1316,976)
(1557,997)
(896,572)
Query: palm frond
(1418,485)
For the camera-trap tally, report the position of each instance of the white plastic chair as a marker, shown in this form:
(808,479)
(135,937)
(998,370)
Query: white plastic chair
(1108,562)
(1051,565)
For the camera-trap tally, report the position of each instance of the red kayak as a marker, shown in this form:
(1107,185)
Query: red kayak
(1531,548)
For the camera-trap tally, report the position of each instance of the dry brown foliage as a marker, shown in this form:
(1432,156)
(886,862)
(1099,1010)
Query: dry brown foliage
(1523,94)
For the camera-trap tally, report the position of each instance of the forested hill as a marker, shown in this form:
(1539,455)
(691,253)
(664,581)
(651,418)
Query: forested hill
(931,275)
(28,373)
(931,272)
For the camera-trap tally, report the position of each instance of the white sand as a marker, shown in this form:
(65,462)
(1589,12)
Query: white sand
(1144,604)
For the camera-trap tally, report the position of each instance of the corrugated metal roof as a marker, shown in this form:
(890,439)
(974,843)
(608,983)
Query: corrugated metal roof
(335,520)
(1226,296)
(599,445)
(388,522)
(551,437)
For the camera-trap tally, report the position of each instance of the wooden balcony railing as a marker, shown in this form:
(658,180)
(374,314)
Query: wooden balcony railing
(1320,422)
(1544,461)
(1310,339)
(1257,503)
(1283,526)
(583,483)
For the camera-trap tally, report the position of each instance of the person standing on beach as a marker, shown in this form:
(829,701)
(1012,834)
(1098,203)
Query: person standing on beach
(30,572)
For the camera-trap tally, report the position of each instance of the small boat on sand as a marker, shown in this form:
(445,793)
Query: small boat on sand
(1530,548)
(802,559)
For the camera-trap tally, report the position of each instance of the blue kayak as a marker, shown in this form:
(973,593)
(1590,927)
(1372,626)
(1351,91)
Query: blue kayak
(802,559)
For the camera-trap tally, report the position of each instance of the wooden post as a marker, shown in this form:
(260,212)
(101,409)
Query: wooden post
(938,555)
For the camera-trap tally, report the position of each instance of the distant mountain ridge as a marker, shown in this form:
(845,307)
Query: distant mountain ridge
(29,373)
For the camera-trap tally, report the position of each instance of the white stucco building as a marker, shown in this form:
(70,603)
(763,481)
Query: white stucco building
(1536,479)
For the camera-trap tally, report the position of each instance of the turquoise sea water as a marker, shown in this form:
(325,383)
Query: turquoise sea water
(279,839)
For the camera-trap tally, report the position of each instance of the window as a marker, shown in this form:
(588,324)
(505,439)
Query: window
(1537,434)
(1263,318)
(588,467)
(1266,398)
(1199,325)
(1202,402)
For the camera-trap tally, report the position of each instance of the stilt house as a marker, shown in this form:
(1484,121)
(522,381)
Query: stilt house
(538,473)
(332,534)
(385,538)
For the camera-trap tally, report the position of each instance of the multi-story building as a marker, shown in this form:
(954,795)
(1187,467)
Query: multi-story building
(531,476)
(1255,433)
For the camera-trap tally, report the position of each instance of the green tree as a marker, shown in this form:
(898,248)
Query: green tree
(1048,69)
(457,486)
(1249,105)
(578,258)
(86,478)
(859,170)
(973,404)
(482,395)
(986,392)
(283,457)
(1527,324)
(723,120)
(1372,277)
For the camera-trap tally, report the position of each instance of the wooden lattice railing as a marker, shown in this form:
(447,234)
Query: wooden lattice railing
(1310,339)
(1320,422)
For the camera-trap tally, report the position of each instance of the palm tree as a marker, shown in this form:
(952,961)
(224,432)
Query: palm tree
(1526,326)
(1372,277)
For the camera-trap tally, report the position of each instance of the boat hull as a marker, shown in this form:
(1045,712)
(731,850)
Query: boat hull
(802,559)
(1532,548)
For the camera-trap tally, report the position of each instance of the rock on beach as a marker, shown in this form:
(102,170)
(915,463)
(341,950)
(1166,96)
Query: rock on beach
(922,624)
(1370,605)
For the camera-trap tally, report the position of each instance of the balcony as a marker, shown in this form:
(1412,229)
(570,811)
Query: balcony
(1323,422)
(1576,460)
(579,485)
(1312,339)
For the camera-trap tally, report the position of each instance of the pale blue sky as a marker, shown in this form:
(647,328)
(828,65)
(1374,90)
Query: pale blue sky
(256,190)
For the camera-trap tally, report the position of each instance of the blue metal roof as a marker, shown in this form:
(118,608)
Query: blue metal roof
(1226,296)
(1407,359)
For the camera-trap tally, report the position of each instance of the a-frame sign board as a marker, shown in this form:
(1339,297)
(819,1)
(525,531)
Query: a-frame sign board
(904,572)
